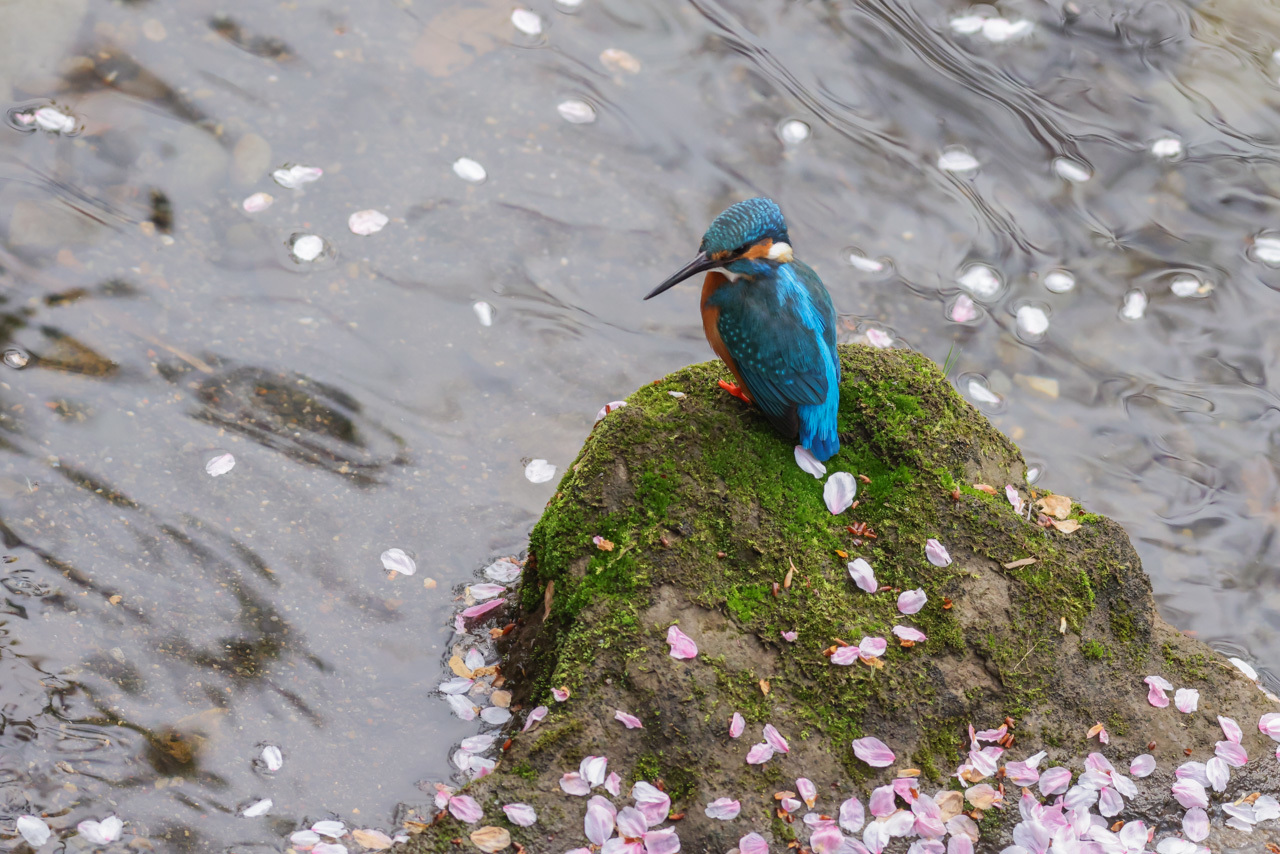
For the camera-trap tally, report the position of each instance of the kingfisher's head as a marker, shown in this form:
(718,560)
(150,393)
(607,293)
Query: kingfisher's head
(747,238)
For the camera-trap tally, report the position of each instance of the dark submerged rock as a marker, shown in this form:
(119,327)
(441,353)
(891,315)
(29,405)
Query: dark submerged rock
(707,512)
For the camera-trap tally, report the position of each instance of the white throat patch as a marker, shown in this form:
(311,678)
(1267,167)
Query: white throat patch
(780,252)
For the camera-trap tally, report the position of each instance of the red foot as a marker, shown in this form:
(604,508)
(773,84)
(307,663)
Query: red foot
(736,391)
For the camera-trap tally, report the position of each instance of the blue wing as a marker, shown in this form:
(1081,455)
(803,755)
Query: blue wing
(780,332)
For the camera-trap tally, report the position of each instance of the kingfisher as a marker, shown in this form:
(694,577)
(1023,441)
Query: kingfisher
(770,320)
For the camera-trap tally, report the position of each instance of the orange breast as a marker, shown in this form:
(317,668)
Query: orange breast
(710,321)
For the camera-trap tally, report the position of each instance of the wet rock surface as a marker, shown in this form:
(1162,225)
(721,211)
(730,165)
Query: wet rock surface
(702,519)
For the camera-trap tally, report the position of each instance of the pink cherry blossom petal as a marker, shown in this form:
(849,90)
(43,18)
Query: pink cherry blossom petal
(465,808)
(883,802)
(845,655)
(808,791)
(1269,724)
(736,725)
(724,809)
(911,601)
(536,715)
(522,815)
(483,608)
(593,770)
(872,647)
(1217,773)
(874,752)
(1195,824)
(571,783)
(1187,700)
(907,633)
(632,823)
(613,784)
(852,815)
(937,553)
(1133,836)
(753,843)
(1190,794)
(775,739)
(682,646)
(809,463)
(662,841)
(963,310)
(862,575)
(367,222)
(826,839)
(1231,753)
(1109,802)
(1142,766)
(1021,774)
(1054,781)
(1230,729)
(598,823)
(611,406)
(759,754)
(1015,499)
(560,694)
(839,492)
(652,802)
(1156,695)
(629,721)
(480,592)
(790,637)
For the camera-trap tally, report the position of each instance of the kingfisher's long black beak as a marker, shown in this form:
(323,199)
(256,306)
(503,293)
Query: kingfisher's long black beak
(699,264)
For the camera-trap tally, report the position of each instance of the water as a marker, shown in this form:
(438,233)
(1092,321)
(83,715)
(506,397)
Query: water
(160,626)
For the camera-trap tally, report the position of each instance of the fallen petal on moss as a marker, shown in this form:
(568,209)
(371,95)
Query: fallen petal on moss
(839,492)
(937,553)
(911,601)
(809,463)
(863,576)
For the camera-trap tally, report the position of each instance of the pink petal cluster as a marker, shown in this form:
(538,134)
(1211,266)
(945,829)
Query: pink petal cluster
(682,646)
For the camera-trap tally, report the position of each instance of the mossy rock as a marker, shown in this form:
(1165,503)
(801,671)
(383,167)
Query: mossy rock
(708,513)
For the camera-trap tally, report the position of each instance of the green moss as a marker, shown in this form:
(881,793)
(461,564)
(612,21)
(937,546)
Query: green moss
(1095,650)
(1186,667)
(524,771)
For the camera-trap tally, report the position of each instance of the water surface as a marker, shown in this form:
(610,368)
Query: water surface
(159,625)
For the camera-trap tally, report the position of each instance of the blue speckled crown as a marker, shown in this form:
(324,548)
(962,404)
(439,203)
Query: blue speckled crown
(745,223)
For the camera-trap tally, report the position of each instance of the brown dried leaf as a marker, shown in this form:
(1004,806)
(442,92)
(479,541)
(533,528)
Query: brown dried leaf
(414,827)
(786,582)
(985,487)
(1069,526)
(843,555)
(764,687)
(374,840)
(501,699)
(1094,730)
(546,600)
(1014,564)
(1058,506)
(778,796)
(458,668)
(909,772)
(603,545)
(491,839)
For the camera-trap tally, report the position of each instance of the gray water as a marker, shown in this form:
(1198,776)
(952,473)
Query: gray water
(159,625)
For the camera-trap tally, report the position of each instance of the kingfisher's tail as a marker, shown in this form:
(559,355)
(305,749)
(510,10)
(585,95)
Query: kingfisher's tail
(823,444)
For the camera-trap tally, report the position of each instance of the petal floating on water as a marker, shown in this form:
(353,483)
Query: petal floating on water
(481,592)
(293,177)
(469,170)
(576,112)
(396,560)
(257,808)
(33,830)
(272,758)
(367,222)
(539,471)
(257,202)
(526,22)
(220,465)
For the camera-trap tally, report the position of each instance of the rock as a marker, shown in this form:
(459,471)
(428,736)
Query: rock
(708,511)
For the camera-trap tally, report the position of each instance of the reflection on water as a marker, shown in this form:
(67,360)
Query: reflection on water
(1080,198)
